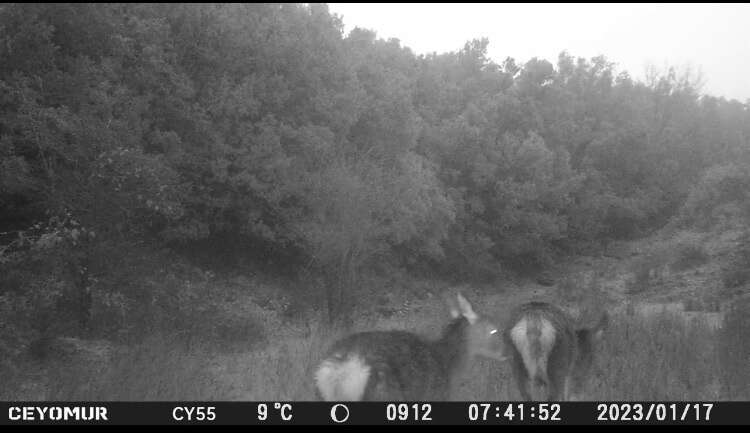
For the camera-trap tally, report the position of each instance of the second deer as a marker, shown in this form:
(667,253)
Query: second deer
(549,353)
(399,365)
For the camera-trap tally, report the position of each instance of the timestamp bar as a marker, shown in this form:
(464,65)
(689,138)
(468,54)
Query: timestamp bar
(386,413)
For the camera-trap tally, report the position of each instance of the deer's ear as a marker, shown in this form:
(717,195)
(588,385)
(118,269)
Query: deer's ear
(600,327)
(466,310)
(453,308)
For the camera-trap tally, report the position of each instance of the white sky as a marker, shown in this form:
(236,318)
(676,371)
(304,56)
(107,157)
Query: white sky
(714,38)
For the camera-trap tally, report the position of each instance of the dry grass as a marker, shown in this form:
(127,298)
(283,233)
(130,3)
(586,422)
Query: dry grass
(734,350)
(657,358)
(244,348)
(641,358)
(159,368)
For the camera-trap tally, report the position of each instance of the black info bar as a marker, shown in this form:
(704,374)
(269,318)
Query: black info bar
(351,413)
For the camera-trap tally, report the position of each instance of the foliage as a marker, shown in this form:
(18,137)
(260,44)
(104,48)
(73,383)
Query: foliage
(737,273)
(721,196)
(689,254)
(263,124)
(649,271)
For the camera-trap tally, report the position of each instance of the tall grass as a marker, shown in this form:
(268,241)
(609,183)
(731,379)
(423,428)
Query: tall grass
(161,367)
(734,350)
(661,357)
(657,358)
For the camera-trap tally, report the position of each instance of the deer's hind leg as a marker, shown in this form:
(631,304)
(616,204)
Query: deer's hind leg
(522,378)
(558,374)
(557,386)
(383,386)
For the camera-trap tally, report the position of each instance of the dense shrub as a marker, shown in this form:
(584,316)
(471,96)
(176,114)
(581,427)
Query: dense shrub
(648,271)
(721,197)
(736,273)
(689,255)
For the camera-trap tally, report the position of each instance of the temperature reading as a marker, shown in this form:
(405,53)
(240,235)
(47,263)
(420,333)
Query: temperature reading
(283,409)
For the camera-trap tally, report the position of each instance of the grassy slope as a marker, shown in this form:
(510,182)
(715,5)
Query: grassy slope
(653,355)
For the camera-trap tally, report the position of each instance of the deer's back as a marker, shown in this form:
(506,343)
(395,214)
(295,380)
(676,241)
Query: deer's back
(541,336)
(383,365)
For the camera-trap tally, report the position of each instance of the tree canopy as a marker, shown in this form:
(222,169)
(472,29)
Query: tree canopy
(265,124)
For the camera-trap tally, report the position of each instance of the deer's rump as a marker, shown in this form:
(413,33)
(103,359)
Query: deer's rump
(383,365)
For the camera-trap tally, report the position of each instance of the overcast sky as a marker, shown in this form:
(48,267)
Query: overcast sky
(712,37)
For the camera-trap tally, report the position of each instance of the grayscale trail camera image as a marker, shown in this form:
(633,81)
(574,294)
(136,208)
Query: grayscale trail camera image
(374,202)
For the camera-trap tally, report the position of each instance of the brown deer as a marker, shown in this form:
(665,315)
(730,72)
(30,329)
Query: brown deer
(399,365)
(549,352)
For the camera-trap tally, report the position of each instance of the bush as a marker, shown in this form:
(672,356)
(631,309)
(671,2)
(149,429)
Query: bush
(648,271)
(722,196)
(689,255)
(574,287)
(704,303)
(737,273)
(734,278)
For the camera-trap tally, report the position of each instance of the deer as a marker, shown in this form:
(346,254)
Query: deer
(397,365)
(549,353)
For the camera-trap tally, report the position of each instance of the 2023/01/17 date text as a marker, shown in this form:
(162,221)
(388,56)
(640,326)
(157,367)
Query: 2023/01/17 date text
(654,411)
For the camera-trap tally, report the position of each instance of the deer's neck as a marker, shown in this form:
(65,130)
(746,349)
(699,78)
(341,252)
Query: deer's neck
(453,345)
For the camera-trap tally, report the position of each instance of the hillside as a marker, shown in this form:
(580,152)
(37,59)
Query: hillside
(260,351)
(196,199)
